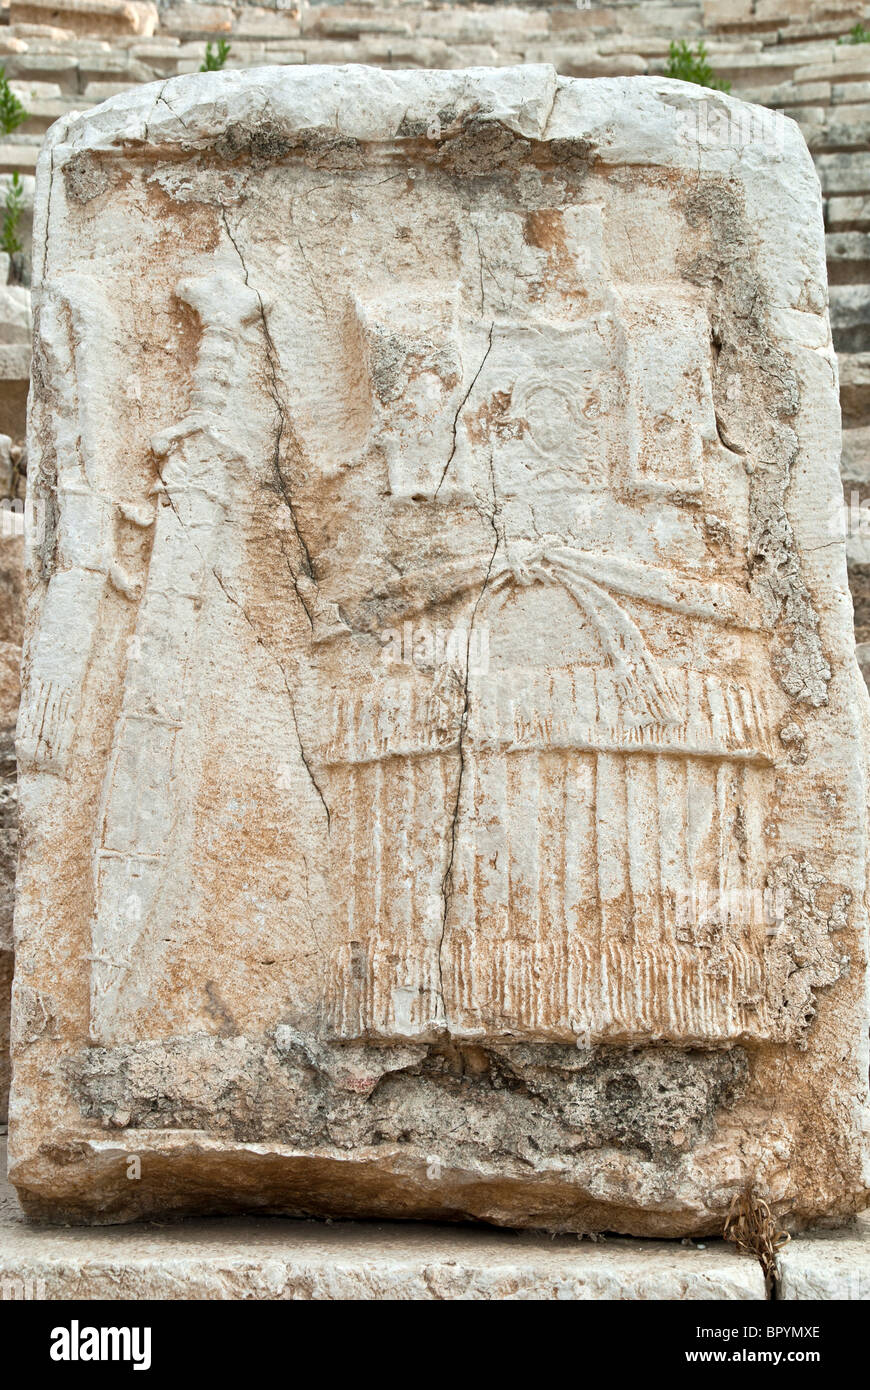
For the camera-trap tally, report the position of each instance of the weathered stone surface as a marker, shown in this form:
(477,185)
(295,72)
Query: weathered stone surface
(274,1259)
(442,747)
(14,314)
(99,17)
(827,1265)
(11,619)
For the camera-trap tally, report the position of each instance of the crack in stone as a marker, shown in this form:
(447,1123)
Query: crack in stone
(274,392)
(269,652)
(266,648)
(461,406)
(447,880)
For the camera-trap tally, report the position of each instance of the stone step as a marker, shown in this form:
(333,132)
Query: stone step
(14,361)
(769,67)
(42,113)
(20,156)
(794,1286)
(855,466)
(189,20)
(91,17)
(847,214)
(844,93)
(848,256)
(854,369)
(585,61)
(263,1258)
(837,132)
(781,16)
(820,29)
(15,320)
(850,317)
(858,564)
(848,63)
(791,94)
(60,68)
(844,173)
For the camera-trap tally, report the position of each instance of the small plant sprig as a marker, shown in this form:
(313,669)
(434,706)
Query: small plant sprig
(755,1231)
(215,59)
(10,242)
(857,34)
(689,66)
(12,112)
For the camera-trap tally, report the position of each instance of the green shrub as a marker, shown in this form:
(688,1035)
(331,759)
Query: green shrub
(856,35)
(10,241)
(214,60)
(688,66)
(12,113)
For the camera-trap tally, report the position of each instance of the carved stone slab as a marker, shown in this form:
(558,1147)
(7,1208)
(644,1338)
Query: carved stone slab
(443,756)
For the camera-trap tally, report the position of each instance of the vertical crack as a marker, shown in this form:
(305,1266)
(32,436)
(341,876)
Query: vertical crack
(461,407)
(275,393)
(447,886)
(290,696)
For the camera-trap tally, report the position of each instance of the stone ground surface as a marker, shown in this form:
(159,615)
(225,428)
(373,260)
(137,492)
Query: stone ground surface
(276,1259)
(827,1265)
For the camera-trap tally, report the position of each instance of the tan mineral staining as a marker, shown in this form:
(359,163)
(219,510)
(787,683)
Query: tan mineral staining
(443,755)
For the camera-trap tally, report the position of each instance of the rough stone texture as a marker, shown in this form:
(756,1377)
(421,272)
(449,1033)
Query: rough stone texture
(11,618)
(316,913)
(276,1259)
(103,17)
(827,1265)
(772,60)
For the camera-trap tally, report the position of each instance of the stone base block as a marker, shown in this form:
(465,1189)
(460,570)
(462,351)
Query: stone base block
(828,1265)
(260,1258)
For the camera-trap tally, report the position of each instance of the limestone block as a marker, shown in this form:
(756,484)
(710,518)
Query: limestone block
(266,24)
(197,19)
(566,24)
(827,1265)
(60,68)
(850,317)
(844,173)
(14,314)
(349,21)
(6,967)
(14,359)
(97,17)
(844,93)
(20,155)
(848,256)
(785,11)
(847,129)
(848,214)
(260,1258)
(11,618)
(855,468)
(14,382)
(724,14)
(847,63)
(442,750)
(854,370)
(576,60)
